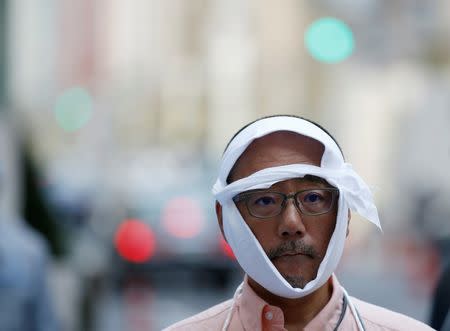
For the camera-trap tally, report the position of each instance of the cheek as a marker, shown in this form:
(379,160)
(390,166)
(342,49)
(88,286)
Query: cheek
(265,233)
(322,230)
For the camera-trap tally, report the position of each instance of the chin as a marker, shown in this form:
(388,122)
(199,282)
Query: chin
(296,281)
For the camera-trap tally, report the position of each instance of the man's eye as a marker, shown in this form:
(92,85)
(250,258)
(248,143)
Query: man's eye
(264,201)
(312,198)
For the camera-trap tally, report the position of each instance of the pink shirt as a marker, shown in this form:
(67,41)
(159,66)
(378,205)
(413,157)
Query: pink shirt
(252,313)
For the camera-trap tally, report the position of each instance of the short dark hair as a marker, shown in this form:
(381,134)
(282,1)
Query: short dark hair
(295,116)
(279,115)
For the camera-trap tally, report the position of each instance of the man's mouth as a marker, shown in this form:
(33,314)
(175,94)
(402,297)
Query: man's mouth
(291,254)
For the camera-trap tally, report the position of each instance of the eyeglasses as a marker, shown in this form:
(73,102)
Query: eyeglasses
(266,204)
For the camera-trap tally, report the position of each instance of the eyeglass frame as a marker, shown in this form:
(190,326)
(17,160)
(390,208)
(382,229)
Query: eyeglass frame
(244,196)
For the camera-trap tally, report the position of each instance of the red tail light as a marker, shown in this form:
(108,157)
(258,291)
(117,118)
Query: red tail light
(135,241)
(183,217)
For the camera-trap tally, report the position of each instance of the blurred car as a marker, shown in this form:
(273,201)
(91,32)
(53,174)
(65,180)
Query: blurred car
(172,207)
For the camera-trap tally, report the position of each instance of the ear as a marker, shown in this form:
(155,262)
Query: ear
(219,218)
(348,222)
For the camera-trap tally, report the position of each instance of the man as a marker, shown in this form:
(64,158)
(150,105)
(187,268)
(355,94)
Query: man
(284,196)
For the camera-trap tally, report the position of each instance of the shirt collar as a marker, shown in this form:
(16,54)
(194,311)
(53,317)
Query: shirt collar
(329,316)
(250,307)
(252,310)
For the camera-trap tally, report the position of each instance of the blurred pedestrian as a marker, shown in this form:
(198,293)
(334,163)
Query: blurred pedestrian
(25,303)
(440,313)
(290,250)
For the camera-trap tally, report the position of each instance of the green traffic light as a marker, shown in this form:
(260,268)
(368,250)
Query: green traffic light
(329,40)
(73,109)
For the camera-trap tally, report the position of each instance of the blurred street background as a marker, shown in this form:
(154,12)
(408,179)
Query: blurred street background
(114,116)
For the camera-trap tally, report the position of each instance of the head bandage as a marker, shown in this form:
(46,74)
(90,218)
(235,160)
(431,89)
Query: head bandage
(353,194)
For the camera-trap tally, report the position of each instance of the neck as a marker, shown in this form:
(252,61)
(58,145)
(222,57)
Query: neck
(297,312)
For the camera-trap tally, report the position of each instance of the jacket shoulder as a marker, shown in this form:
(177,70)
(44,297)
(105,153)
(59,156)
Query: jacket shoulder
(379,318)
(209,319)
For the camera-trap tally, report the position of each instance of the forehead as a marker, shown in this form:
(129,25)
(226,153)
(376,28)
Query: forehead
(277,149)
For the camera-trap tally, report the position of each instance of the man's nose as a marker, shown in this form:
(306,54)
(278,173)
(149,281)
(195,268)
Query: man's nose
(291,221)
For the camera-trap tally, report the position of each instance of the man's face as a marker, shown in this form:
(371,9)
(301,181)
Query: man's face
(295,243)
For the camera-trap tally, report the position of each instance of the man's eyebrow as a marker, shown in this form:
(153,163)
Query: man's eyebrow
(256,190)
(314,180)
(307,178)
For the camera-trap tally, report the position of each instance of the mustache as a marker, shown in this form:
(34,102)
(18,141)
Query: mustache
(293,247)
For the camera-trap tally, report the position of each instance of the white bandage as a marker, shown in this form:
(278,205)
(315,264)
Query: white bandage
(353,194)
